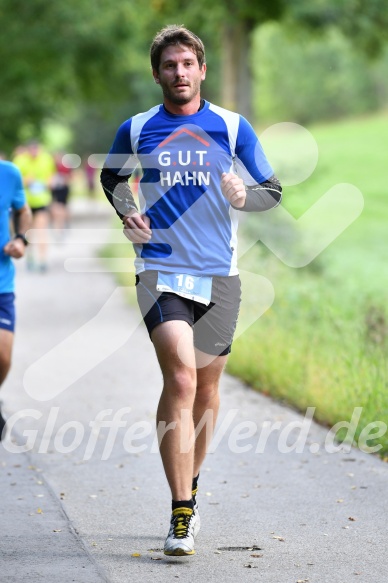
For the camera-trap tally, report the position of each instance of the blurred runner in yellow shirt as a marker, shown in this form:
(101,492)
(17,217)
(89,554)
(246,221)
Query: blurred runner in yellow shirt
(38,168)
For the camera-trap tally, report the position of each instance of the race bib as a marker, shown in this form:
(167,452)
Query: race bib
(197,288)
(37,187)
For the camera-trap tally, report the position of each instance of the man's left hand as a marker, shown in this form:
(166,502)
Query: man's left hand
(233,189)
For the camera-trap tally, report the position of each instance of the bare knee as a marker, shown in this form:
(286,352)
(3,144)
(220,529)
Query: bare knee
(206,393)
(180,384)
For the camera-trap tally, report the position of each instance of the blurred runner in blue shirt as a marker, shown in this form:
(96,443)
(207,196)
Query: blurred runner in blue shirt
(12,200)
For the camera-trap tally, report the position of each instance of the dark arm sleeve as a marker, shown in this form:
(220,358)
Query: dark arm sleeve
(118,192)
(263,196)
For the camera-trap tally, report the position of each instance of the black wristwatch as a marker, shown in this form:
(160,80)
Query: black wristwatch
(22,237)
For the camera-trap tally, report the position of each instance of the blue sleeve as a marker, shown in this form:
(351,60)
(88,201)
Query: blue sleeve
(18,195)
(251,162)
(120,158)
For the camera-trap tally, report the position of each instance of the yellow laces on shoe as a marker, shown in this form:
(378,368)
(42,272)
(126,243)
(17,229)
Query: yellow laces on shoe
(181,520)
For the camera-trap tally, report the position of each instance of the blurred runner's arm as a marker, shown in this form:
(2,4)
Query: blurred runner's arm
(16,247)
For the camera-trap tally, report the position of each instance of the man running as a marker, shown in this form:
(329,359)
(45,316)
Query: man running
(184,236)
(12,198)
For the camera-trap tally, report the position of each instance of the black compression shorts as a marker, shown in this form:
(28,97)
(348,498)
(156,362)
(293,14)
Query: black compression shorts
(39,209)
(60,194)
(214,325)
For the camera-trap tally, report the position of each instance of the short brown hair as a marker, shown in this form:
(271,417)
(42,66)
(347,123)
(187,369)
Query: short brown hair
(176,34)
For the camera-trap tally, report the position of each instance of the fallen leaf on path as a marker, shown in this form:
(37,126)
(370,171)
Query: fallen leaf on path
(156,558)
(340,500)
(136,555)
(351,518)
(250,566)
(256,556)
(57,530)
(39,511)
(278,538)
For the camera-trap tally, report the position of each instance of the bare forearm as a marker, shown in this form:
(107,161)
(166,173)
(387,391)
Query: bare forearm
(23,220)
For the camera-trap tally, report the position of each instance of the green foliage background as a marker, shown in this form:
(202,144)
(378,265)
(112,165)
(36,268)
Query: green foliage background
(86,66)
(306,78)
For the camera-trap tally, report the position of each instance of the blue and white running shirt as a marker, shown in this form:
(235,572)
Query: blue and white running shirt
(183,157)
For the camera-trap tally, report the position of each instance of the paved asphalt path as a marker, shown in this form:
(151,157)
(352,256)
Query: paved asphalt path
(87,501)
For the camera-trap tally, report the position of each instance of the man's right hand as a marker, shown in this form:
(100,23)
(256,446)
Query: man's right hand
(137,227)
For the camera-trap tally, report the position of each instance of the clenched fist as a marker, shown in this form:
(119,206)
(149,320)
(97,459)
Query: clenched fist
(233,189)
(137,227)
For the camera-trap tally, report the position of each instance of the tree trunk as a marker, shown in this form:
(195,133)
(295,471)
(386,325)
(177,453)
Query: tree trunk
(236,80)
